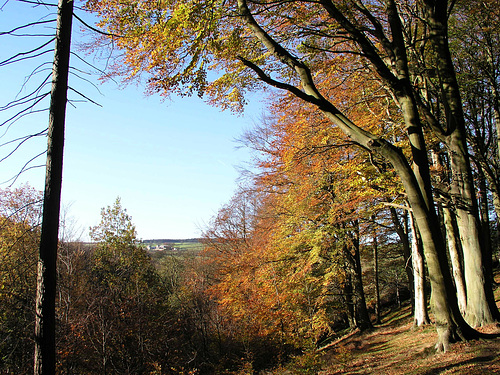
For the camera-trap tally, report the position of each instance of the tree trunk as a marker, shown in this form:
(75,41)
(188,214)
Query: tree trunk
(363,321)
(450,227)
(402,232)
(375,275)
(421,316)
(348,293)
(479,310)
(455,258)
(487,243)
(45,321)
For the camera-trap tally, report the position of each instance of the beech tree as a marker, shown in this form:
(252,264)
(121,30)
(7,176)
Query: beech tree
(404,45)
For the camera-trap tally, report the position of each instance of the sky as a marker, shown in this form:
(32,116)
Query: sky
(173,163)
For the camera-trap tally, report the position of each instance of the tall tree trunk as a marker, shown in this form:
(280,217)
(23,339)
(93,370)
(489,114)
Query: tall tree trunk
(348,293)
(421,316)
(484,213)
(479,310)
(487,243)
(376,277)
(352,252)
(402,232)
(451,232)
(45,321)
(455,258)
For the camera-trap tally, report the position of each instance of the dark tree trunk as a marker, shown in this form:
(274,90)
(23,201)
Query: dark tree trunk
(45,321)
(352,253)
(348,293)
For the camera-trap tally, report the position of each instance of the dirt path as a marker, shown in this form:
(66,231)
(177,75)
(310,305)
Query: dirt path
(398,348)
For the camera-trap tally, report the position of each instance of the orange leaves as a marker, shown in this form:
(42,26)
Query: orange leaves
(174,43)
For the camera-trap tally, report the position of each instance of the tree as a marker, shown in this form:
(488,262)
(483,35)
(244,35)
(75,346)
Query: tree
(258,47)
(45,322)
(123,317)
(474,39)
(116,227)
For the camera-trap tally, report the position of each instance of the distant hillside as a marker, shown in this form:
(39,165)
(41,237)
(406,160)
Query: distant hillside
(184,246)
(170,241)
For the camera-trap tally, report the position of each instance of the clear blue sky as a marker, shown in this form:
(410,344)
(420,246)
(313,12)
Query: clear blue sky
(171,162)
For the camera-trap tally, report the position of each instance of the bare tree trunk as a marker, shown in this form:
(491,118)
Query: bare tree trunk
(402,232)
(452,237)
(375,275)
(45,321)
(480,310)
(348,293)
(421,316)
(455,258)
(363,321)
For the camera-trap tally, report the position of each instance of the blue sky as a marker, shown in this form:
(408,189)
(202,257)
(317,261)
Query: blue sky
(171,162)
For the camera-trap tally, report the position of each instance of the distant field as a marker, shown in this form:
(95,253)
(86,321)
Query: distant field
(184,246)
(187,246)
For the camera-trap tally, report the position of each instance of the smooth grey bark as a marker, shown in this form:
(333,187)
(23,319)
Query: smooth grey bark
(455,258)
(376,279)
(451,233)
(462,190)
(402,232)
(420,314)
(45,320)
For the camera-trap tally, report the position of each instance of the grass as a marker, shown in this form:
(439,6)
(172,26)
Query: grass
(188,246)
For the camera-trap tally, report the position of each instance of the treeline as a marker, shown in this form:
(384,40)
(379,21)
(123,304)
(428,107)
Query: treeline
(116,312)
(171,241)
(234,308)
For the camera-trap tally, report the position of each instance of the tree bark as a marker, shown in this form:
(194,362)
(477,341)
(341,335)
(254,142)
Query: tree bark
(361,312)
(455,258)
(402,232)
(45,320)
(479,306)
(376,277)
(421,316)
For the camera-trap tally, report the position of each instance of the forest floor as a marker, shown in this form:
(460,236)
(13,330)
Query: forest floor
(396,347)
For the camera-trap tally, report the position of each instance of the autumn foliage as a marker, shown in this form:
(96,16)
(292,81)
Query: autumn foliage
(381,125)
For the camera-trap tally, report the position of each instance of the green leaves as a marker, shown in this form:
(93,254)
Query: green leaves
(116,227)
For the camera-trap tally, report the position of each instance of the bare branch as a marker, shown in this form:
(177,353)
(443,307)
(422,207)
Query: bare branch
(11,32)
(23,112)
(86,97)
(96,30)
(23,140)
(25,168)
(26,55)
